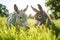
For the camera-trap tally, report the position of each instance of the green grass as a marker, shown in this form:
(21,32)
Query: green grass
(34,33)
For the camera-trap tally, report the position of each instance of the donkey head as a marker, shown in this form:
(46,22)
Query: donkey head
(21,17)
(40,14)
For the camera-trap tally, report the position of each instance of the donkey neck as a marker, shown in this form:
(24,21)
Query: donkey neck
(14,18)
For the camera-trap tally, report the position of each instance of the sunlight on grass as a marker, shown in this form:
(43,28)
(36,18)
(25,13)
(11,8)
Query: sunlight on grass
(34,33)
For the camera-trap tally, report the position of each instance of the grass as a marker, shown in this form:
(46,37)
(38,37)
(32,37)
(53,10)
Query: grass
(34,33)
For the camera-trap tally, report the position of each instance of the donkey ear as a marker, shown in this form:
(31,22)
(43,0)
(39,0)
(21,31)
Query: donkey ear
(16,8)
(39,6)
(34,9)
(25,8)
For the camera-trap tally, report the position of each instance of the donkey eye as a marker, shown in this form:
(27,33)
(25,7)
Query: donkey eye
(39,16)
(20,17)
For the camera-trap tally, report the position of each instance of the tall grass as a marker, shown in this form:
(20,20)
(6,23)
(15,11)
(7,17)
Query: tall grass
(34,33)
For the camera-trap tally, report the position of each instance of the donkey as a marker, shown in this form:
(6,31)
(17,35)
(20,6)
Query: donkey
(18,17)
(40,16)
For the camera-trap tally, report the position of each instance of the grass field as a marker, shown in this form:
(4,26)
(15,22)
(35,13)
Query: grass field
(34,33)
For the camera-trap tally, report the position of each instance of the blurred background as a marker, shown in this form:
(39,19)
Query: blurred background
(49,6)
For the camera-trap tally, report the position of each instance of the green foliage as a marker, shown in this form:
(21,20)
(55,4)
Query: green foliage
(53,16)
(54,6)
(3,10)
(34,33)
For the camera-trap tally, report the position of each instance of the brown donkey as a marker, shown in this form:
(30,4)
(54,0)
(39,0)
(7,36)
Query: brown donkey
(40,16)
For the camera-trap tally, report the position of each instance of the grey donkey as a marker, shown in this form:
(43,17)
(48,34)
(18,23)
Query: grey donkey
(18,17)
